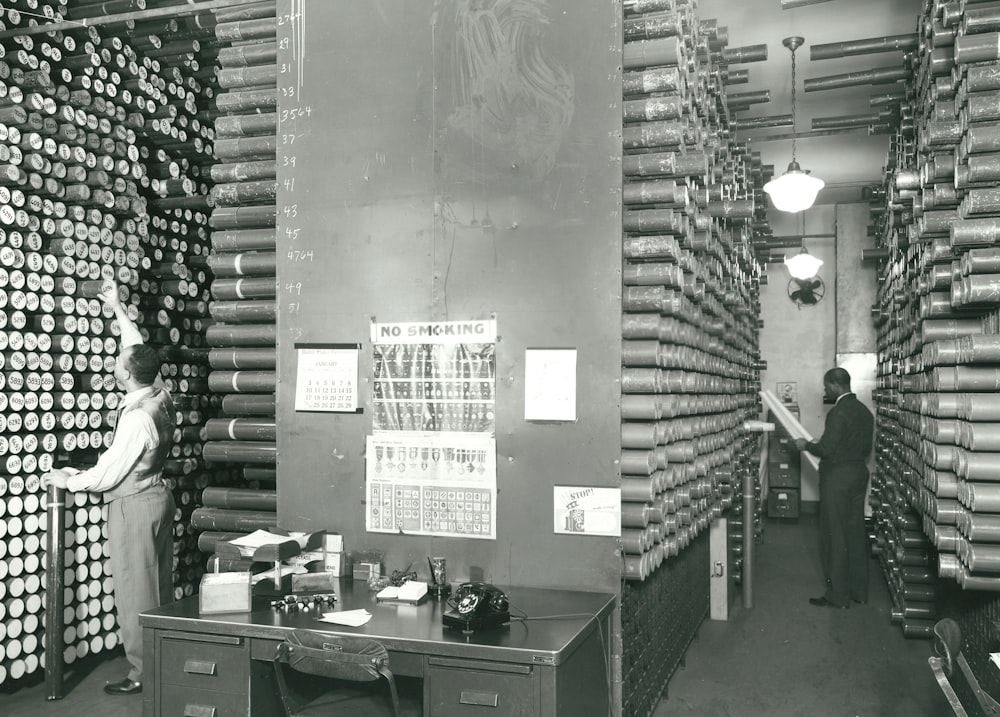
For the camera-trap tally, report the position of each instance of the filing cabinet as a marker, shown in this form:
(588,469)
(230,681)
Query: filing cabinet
(784,472)
(203,675)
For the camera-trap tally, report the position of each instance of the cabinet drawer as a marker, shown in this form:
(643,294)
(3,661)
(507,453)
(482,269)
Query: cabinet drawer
(208,665)
(786,478)
(480,690)
(188,702)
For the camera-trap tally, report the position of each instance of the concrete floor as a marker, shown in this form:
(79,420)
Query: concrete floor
(782,658)
(786,658)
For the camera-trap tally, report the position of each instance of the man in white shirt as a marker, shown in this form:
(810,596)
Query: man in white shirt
(140,506)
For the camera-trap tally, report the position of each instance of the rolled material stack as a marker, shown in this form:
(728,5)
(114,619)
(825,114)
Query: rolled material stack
(690,369)
(106,152)
(243,336)
(689,331)
(74,217)
(937,319)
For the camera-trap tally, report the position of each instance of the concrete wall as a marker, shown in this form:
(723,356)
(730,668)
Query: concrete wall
(800,343)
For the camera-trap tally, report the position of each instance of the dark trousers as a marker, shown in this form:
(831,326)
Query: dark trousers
(140,533)
(843,543)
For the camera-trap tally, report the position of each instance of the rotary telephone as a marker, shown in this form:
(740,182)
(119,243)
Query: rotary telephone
(475,606)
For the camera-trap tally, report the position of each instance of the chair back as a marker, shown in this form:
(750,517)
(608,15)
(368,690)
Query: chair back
(358,659)
(355,659)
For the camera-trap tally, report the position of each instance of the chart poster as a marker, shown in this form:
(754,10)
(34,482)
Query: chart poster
(587,511)
(434,377)
(440,485)
(327,378)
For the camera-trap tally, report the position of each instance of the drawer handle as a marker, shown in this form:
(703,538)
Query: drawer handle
(199,711)
(199,667)
(483,699)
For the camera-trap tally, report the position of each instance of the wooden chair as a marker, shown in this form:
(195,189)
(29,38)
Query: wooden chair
(955,677)
(347,663)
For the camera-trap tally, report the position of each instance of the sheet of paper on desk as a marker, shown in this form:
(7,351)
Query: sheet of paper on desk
(250,542)
(351,618)
(285,570)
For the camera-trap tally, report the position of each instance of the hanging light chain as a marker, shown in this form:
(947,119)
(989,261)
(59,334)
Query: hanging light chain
(795,128)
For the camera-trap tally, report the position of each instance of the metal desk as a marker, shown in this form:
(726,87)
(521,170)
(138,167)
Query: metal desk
(555,663)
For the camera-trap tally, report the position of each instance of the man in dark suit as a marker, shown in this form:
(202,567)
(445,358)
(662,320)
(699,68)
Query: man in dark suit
(843,451)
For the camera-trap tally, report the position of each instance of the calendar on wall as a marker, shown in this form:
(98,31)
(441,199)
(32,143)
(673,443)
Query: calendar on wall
(327,377)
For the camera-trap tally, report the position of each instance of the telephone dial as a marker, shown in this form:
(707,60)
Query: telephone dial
(475,606)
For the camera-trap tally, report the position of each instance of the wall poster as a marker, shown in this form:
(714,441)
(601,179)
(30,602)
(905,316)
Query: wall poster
(430,463)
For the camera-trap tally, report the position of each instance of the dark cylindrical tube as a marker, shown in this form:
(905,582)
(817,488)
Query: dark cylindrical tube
(747,53)
(760,122)
(240,452)
(221,335)
(240,429)
(851,79)
(243,171)
(245,288)
(243,217)
(242,381)
(652,53)
(978,47)
(232,520)
(889,43)
(248,405)
(243,311)
(239,498)
(208,538)
(242,358)
(251,100)
(243,240)
(657,79)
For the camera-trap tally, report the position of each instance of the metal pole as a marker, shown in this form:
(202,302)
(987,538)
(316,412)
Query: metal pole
(54,593)
(749,500)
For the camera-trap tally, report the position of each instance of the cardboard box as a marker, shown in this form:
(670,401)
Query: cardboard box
(314,582)
(336,563)
(334,543)
(224,592)
(311,556)
(364,570)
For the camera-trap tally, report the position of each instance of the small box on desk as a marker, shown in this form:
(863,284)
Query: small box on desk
(782,503)
(336,563)
(314,582)
(365,570)
(224,592)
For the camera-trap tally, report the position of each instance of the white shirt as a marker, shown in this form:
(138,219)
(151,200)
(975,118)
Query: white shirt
(135,433)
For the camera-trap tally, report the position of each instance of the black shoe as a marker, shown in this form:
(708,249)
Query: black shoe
(123,687)
(823,602)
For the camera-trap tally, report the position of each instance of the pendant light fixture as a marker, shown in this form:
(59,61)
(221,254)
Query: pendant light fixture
(794,190)
(803,266)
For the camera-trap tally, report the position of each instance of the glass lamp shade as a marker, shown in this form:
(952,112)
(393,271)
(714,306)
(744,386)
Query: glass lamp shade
(794,191)
(803,265)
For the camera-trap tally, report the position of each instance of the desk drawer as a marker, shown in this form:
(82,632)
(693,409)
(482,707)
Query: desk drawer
(200,663)
(480,689)
(187,702)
